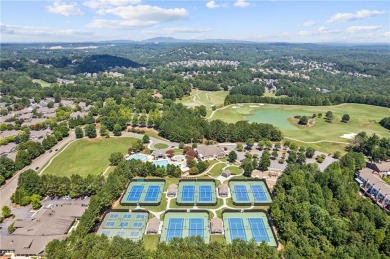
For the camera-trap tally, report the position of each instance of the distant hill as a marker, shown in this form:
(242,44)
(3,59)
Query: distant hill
(98,63)
(174,40)
(163,40)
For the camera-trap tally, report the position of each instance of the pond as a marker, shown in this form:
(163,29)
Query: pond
(276,117)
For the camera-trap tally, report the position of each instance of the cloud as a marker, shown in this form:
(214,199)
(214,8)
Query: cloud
(359,15)
(212,5)
(309,23)
(386,34)
(139,16)
(241,3)
(322,30)
(354,29)
(62,8)
(175,30)
(41,31)
(108,3)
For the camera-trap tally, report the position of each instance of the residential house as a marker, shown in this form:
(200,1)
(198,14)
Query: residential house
(382,168)
(6,150)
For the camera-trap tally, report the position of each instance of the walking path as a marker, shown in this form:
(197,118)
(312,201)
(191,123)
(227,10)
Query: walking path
(319,141)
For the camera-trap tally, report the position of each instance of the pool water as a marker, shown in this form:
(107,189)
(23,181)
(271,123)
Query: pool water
(138,156)
(278,118)
(161,163)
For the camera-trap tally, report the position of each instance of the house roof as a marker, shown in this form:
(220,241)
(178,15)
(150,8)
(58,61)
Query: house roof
(223,188)
(227,172)
(172,188)
(153,225)
(8,133)
(375,180)
(8,148)
(381,166)
(216,225)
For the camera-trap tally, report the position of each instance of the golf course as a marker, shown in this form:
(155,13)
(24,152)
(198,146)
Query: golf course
(363,118)
(87,156)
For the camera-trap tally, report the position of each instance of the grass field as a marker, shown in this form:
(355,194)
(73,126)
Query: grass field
(151,241)
(206,98)
(87,156)
(217,170)
(41,82)
(160,146)
(363,118)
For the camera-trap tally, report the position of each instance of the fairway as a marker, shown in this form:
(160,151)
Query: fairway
(206,98)
(363,118)
(87,156)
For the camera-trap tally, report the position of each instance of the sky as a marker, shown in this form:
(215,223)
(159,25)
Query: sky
(312,21)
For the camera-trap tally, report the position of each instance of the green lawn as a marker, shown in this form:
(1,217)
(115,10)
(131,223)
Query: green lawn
(217,170)
(363,117)
(234,169)
(42,83)
(161,146)
(87,156)
(151,241)
(206,98)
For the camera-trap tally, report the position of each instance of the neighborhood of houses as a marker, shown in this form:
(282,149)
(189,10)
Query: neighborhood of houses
(36,113)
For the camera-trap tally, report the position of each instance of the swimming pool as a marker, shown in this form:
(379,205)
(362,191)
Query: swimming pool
(161,163)
(138,156)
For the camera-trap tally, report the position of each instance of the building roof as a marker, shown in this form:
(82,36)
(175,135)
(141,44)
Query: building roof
(223,188)
(209,151)
(27,245)
(153,225)
(381,166)
(216,225)
(9,133)
(227,173)
(373,179)
(35,134)
(172,188)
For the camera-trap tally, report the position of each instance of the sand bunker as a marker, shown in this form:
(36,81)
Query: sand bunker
(253,106)
(348,136)
(235,107)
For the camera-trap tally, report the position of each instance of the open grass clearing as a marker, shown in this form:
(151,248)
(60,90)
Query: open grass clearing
(42,83)
(363,117)
(161,146)
(87,156)
(151,241)
(217,170)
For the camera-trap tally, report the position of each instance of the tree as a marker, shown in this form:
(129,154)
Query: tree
(329,116)
(232,157)
(265,161)
(250,142)
(79,132)
(337,155)
(5,211)
(303,120)
(116,158)
(310,152)
(239,147)
(103,130)
(345,118)
(36,201)
(274,154)
(117,130)
(138,146)
(145,139)
(247,165)
(90,130)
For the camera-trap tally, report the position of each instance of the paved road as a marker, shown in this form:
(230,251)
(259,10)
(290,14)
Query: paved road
(10,187)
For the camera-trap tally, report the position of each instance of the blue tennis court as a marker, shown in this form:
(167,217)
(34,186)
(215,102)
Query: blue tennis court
(205,193)
(241,193)
(259,233)
(188,193)
(135,193)
(196,227)
(114,216)
(236,228)
(175,228)
(152,193)
(258,193)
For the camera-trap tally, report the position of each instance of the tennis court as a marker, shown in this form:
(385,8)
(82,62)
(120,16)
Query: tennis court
(250,192)
(196,192)
(247,226)
(143,193)
(185,224)
(125,224)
